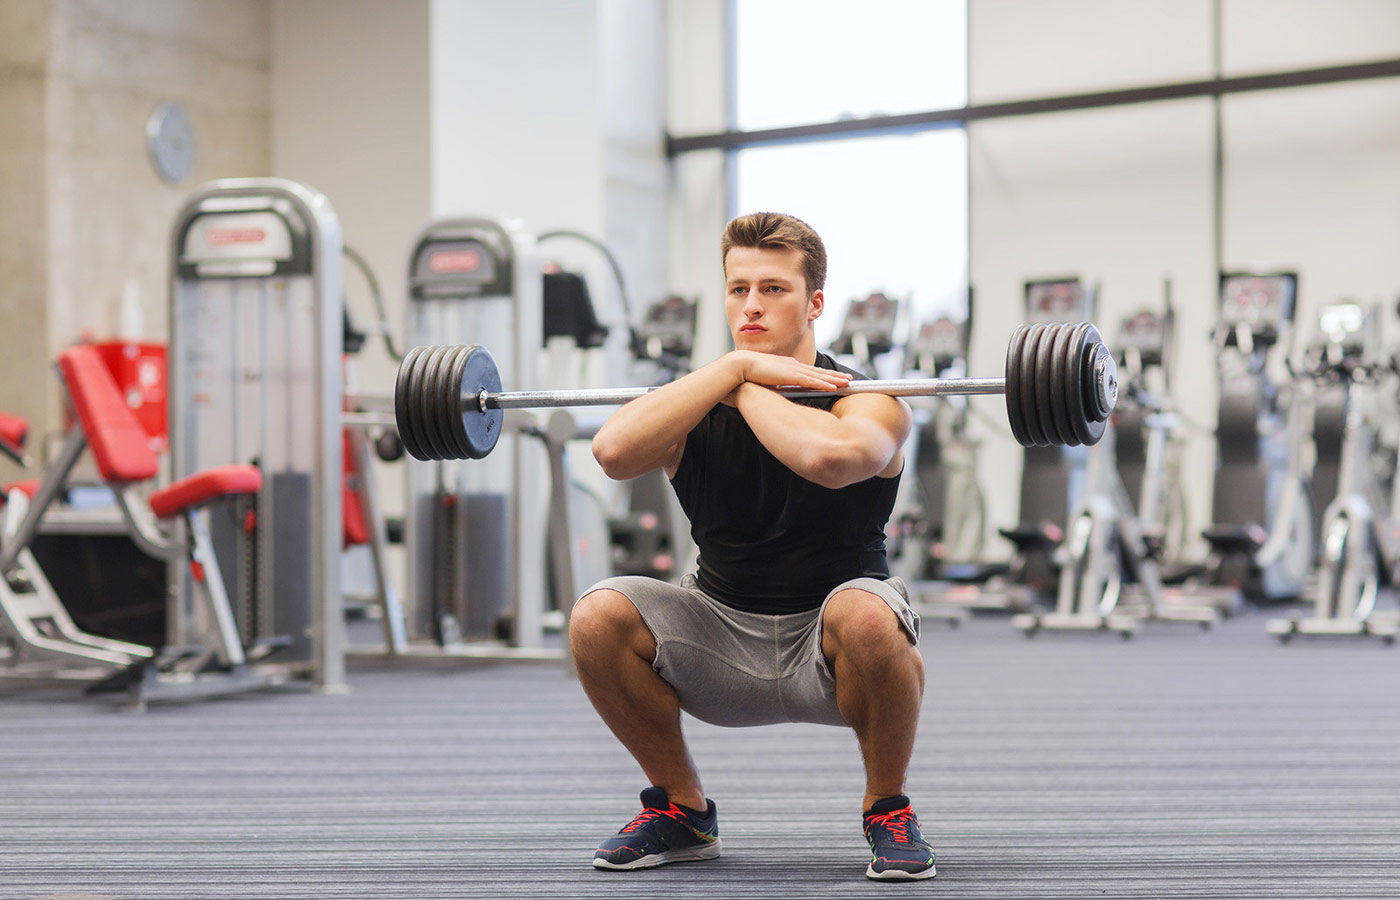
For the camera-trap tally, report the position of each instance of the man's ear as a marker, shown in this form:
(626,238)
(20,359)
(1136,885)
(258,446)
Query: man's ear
(815,305)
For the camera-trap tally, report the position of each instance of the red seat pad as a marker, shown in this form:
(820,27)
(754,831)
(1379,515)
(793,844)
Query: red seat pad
(30,487)
(13,429)
(119,443)
(201,487)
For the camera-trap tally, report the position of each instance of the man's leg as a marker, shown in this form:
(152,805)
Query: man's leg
(879,685)
(613,651)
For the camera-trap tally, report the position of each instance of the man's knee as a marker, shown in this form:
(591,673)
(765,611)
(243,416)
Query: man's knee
(605,621)
(857,621)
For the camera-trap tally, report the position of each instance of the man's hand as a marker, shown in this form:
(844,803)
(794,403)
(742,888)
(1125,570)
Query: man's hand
(783,371)
(770,370)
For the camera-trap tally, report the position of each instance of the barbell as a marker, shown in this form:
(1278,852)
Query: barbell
(1061,384)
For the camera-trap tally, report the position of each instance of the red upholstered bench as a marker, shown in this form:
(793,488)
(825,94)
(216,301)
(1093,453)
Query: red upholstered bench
(29,487)
(201,487)
(13,429)
(120,446)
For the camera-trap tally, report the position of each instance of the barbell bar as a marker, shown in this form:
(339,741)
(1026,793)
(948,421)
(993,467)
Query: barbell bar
(1061,384)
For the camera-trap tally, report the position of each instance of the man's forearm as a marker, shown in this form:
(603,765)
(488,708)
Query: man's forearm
(642,434)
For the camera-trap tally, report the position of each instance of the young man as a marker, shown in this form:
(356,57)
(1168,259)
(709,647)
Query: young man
(790,617)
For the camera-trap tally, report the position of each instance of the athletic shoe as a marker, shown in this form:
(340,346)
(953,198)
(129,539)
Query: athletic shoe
(897,847)
(661,833)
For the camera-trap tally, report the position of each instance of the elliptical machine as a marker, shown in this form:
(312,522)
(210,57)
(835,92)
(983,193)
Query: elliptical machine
(1108,547)
(1261,542)
(1052,482)
(940,536)
(1353,566)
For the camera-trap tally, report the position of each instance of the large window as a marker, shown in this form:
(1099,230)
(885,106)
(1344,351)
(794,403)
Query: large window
(803,61)
(892,208)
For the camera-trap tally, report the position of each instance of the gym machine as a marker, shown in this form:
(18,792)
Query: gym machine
(867,331)
(1110,578)
(473,540)
(256,330)
(1262,543)
(942,535)
(38,637)
(1354,563)
(1052,482)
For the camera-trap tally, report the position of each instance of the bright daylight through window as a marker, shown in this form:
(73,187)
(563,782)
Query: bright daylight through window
(891,208)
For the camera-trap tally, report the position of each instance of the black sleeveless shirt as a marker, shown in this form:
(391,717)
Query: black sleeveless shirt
(771,541)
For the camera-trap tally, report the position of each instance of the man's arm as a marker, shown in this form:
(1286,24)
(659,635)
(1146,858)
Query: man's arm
(649,432)
(859,438)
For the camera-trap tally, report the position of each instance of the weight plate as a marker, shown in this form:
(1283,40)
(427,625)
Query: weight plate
(1081,375)
(1103,396)
(1062,382)
(406,403)
(446,400)
(1052,391)
(1085,406)
(1031,402)
(1100,407)
(1015,386)
(427,402)
(480,429)
(454,430)
(1030,397)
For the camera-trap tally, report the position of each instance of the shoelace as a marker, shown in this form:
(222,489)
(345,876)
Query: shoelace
(897,822)
(649,814)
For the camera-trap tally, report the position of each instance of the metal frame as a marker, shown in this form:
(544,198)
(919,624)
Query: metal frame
(241,195)
(960,116)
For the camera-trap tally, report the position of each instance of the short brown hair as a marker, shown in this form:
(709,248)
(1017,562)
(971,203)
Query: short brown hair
(776,231)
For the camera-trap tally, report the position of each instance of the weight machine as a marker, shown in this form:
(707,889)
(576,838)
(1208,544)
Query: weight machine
(1262,543)
(1110,578)
(1052,483)
(256,332)
(1354,562)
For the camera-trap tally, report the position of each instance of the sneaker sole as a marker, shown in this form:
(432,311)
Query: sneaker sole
(690,854)
(898,874)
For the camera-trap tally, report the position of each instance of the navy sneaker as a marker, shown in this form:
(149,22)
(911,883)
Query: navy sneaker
(897,847)
(661,833)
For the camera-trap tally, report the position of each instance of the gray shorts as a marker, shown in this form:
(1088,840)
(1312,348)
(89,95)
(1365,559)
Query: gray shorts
(739,668)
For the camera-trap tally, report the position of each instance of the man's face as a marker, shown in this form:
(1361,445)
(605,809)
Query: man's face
(766,300)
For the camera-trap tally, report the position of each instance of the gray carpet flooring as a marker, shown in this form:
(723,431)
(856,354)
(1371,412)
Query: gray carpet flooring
(1180,764)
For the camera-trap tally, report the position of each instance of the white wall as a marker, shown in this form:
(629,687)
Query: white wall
(350,118)
(82,210)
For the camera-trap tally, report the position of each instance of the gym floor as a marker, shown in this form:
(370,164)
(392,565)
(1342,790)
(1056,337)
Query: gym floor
(1178,764)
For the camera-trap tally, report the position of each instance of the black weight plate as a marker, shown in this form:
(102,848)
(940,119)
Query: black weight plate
(1098,351)
(1036,389)
(481,429)
(406,393)
(1078,411)
(447,400)
(428,405)
(1061,383)
(450,402)
(1047,389)
(1015,385)
(1029,417)
(1029,414)
(1030,365)
(455,432)
(439,403)
(1093,426)
(1075,408)
(403,421)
